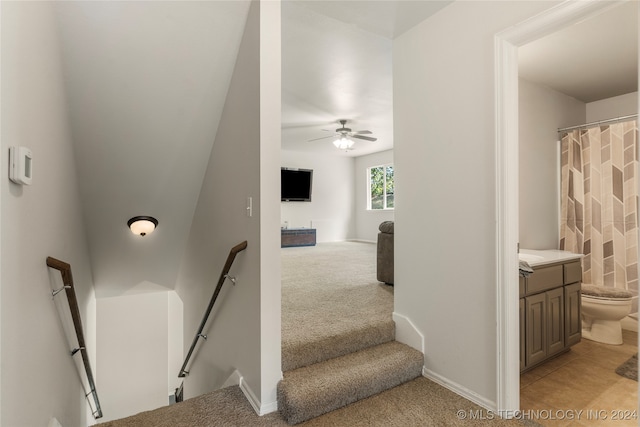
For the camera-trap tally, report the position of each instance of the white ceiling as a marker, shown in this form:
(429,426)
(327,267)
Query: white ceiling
(337,62)
(146,83)
(592,60)
(337,65)
(332,70)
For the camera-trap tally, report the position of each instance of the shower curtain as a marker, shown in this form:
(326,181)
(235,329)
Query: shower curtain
(599,199)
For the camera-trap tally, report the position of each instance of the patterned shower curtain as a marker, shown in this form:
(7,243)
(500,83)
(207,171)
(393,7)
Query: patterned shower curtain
(599,202)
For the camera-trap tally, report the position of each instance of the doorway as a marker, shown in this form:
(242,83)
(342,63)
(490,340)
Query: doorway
(507,174)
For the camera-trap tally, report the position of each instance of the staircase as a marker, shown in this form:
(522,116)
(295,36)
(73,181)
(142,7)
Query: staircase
(352,367)
(338,347)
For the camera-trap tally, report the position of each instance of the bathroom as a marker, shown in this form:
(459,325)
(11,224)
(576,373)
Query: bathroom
(542,111)
(542,198)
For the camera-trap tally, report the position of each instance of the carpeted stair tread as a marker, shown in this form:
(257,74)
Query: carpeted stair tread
(313,390)
(316,349)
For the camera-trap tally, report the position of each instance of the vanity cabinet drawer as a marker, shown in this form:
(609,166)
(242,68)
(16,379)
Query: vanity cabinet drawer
(545,278)
(521,286)
(572,272)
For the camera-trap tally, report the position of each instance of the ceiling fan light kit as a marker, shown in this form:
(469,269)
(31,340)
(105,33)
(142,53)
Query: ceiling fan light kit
(343,143)
(344,136)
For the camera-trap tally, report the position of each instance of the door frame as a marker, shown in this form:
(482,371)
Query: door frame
(506,45)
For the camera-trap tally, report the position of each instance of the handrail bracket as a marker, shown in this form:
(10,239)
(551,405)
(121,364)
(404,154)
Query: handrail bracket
(57,291)
(75,350)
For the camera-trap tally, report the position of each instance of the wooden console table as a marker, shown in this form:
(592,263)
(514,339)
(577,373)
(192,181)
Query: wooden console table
(290,237)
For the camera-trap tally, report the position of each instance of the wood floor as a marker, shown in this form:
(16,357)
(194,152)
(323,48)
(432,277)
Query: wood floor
(581,388)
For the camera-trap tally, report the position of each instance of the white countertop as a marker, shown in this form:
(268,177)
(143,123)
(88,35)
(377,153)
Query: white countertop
(537,258)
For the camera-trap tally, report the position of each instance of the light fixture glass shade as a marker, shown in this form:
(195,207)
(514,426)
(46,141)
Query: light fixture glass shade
(343,143)
(142,225)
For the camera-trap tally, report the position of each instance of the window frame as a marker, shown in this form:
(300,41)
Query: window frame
(384,192)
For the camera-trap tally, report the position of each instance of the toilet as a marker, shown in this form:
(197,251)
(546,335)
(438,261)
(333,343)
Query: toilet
(602,310)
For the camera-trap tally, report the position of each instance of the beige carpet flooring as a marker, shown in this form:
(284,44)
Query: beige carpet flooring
(332,303)
(339,301)
(320,388)
(418,403)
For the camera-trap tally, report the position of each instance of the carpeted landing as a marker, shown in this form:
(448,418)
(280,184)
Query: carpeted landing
(340,361)
(332,303)
(417,403)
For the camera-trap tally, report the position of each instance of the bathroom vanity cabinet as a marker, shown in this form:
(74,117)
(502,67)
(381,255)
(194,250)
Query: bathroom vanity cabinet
(550,319)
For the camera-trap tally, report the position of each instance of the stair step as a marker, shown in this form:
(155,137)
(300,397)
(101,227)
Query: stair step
(311,351)
(314,390)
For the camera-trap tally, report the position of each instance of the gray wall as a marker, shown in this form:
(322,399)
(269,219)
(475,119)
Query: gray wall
(618,106)
(244,327)
(444,153)
(38,379)
(542,112)
(133,353)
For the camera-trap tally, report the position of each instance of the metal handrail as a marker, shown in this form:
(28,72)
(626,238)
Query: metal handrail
(223,276)
(67,280)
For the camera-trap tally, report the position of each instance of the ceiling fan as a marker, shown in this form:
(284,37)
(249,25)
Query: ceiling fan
(343,136)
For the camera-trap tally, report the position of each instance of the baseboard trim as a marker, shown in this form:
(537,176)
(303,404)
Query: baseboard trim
(362,241)
(268,408)
(407,332)
(460,390)
(260,408)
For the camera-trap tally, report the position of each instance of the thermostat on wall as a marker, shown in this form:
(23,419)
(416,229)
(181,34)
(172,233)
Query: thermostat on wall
(20,168)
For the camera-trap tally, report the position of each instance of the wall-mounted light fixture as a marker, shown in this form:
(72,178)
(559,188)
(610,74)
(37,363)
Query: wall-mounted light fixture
(142,225)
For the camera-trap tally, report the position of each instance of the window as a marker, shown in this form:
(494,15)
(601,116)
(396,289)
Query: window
(381,187)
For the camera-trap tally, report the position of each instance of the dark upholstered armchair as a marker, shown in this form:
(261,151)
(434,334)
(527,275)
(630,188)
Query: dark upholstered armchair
(385,253)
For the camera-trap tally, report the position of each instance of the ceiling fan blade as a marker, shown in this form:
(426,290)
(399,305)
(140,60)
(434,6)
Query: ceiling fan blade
(324,137)
(367,138)
(362,132)
(300,125)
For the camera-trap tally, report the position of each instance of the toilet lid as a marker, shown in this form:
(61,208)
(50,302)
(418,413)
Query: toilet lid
(605,292)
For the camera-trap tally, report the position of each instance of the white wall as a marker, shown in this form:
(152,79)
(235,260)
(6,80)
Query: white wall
(270,143)
(542,111)
(133,353)
(244,327)
(367,221)
(175,341)
(331,210)
(444,154)
(610,108)
(39,379)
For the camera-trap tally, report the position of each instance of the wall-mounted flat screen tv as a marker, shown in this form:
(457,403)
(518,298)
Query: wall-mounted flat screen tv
(295,184)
